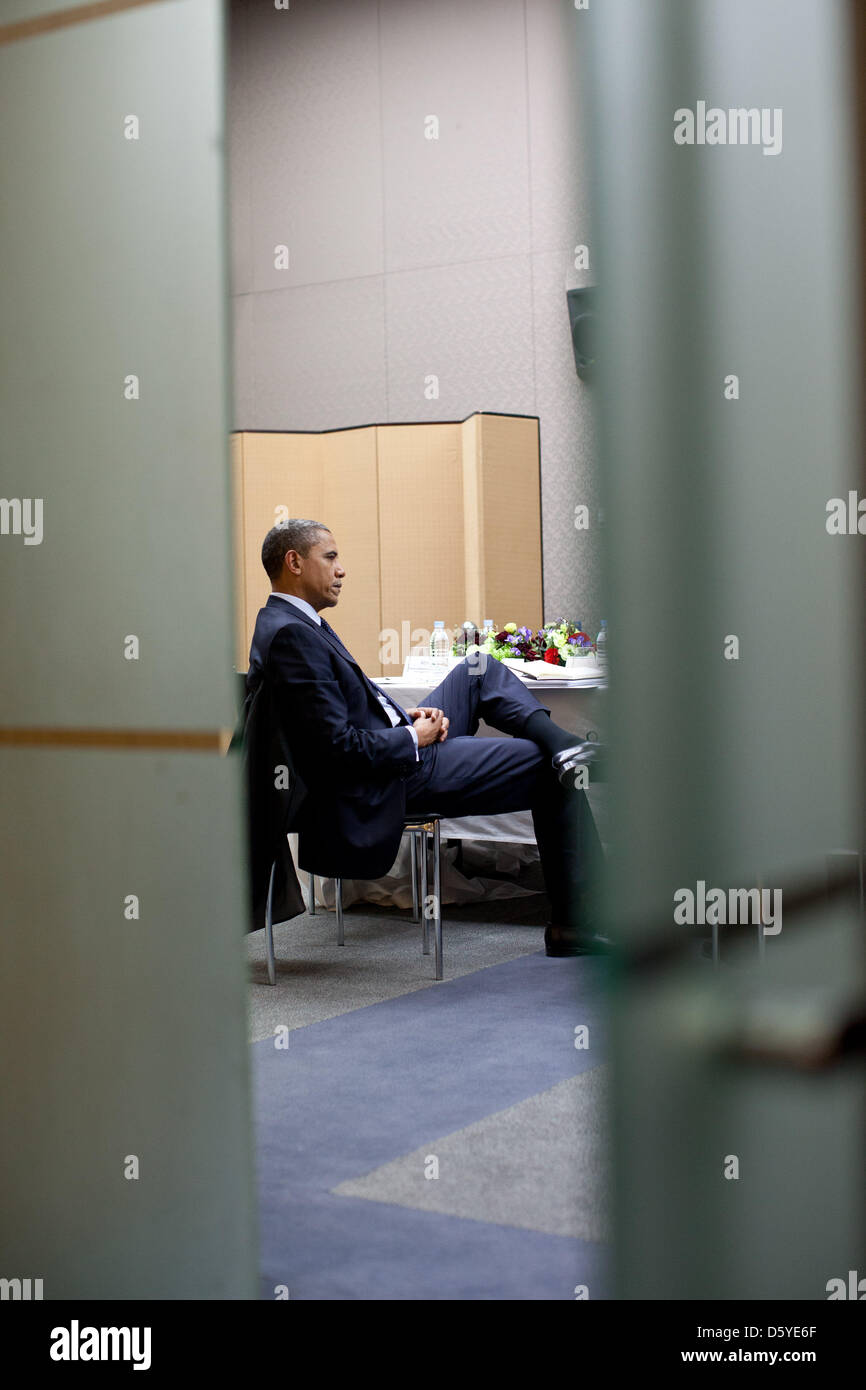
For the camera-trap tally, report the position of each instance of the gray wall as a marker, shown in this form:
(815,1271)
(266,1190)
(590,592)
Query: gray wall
(408,256)
(124,1036)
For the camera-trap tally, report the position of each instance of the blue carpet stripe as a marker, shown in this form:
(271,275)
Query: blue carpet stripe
(356,1091)
(347,1249)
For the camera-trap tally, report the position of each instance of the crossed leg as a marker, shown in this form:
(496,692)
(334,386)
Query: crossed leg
(476,776)
(482,688)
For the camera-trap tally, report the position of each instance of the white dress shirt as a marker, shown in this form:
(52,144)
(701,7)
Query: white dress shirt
(389,709)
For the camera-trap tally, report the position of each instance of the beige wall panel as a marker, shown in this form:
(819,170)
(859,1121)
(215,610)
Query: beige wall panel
(473,535)
(280,470)
(424,517)
(350,506)
(421,527)
(330,478)
(238,552)
(511,520)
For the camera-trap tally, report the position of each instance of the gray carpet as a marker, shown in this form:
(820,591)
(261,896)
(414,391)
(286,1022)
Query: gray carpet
(316,979)
(539,1165)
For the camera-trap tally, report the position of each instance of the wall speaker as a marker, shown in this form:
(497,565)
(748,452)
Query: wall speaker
(582,315)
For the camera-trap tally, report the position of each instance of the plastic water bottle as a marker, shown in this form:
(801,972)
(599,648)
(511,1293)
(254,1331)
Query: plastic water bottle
(601,645)
(440,647)
(488,629)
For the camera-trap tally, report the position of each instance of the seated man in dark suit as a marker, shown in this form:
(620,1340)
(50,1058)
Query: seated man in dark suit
(366,763)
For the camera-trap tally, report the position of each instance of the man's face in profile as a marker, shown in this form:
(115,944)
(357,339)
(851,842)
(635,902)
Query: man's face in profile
(322,572)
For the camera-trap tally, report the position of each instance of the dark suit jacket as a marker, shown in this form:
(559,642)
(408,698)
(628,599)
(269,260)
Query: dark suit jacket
(273,803)
(352,761)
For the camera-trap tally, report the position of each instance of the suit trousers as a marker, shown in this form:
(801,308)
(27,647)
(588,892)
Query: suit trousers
(467,776)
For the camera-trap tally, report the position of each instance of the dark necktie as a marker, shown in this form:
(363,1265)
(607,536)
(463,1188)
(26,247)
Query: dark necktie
(327,627)
(374,688)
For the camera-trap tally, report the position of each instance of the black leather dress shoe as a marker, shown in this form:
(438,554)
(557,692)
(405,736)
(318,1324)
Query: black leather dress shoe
(568,762)
(567,941)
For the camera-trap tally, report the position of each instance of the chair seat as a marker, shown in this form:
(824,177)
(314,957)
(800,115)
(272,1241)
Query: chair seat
(417,825)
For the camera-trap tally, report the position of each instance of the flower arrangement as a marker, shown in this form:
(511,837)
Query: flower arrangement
(553,642)
(563,639)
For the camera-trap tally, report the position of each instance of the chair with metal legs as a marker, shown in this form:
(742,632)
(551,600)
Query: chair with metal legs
(419,828)
(423,830)
(269,929)
(269,922)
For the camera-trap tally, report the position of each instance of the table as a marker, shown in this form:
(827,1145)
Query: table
(576,706)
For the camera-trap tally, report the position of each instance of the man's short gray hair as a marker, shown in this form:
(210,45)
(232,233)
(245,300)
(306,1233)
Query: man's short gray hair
(295,534)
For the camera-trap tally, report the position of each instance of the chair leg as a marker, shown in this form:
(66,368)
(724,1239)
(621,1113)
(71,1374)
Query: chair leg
(338,893)
(311,896)
(425,920)
(269,929)
(413,850)
(437,901)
